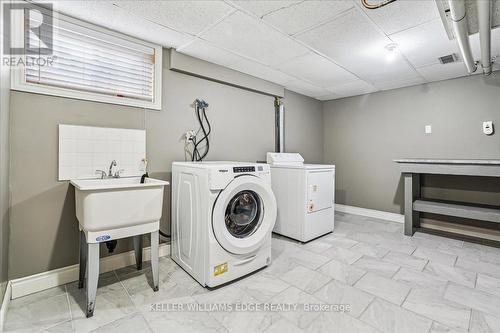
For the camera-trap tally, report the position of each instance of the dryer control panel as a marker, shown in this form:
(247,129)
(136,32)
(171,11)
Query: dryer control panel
(244,169)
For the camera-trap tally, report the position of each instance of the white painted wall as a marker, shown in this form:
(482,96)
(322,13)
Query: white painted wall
(4,163)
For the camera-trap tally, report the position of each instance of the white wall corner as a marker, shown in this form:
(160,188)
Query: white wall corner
(378,214)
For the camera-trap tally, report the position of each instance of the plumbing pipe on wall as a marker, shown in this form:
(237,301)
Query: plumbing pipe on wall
(460,29)
(484,20)
(279,125)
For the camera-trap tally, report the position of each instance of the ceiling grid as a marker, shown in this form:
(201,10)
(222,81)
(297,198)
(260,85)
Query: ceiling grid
(323,49)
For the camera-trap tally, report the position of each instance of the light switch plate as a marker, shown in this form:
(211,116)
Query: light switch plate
(428,129)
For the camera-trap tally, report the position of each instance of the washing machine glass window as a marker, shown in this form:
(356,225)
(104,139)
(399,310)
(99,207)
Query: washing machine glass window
(243,214)
(252,231)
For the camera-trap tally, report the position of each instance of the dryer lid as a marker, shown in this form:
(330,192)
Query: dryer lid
(294,159)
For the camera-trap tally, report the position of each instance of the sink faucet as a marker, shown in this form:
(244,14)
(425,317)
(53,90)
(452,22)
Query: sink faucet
(113,164)
(117,173)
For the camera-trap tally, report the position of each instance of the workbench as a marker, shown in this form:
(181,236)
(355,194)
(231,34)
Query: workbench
(412,169)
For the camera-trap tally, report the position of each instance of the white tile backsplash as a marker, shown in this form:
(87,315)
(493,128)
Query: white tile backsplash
(85,149)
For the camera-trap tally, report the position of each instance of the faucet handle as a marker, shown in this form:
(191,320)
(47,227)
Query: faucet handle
(118,173)
(101,172)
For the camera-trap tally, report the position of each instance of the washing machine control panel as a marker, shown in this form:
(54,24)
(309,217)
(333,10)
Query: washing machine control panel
(244,169)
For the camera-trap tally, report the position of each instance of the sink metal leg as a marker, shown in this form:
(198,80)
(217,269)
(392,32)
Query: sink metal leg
(138,251)
(83,260)
(155,248)
(92,276)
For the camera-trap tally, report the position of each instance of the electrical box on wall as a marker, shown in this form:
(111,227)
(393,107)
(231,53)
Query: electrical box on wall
(488,128)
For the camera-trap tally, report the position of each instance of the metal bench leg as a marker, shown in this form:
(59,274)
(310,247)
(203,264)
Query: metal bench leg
(92,276)
(412,192)
(155,247)
(83,260)
(138,251)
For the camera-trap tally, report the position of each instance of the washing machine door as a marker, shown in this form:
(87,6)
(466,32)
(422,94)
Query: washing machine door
(244,214)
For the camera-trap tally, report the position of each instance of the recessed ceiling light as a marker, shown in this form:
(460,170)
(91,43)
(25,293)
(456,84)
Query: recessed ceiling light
(392,51)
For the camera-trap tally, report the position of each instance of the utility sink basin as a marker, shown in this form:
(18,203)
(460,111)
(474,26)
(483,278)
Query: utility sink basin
(112,203)
(114,208)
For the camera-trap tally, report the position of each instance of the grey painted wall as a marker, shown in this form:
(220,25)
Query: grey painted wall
(43,227)
(363,134)
(303,126)
(4,164)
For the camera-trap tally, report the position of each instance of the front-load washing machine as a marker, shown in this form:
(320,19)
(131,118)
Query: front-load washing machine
(223,214)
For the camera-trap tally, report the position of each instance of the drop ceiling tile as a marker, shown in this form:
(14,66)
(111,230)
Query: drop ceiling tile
(306,14)
(204,50)
(317,69)
(329,97)
(353,42)
(105,14)
(252,38)
(182,15)
(306,89)
(358,87)
(422,45)
(397,82)
(261,8)
(403,14)
(438,72)
(261,71)
(495,44)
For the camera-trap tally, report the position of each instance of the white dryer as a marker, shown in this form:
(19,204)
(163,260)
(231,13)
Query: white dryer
(305,195)
(223,214)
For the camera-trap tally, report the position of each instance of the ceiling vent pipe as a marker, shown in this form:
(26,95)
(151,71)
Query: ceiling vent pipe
(460,29)
(484,20)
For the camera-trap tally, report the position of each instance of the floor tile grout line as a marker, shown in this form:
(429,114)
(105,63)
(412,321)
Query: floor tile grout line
(366,308)
(406,297)
(314,270)
(385,255)
(470,321)
(425,316)
(362,276)
(69,306)
(396,272)
(426,264)
(54,325)
(147,322)
(126,291)
(322,265)
(455,262)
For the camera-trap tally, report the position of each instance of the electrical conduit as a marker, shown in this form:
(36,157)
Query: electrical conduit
(484,20)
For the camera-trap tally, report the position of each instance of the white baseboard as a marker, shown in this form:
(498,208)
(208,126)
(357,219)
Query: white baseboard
(5,304)
(57,277)
(378,214)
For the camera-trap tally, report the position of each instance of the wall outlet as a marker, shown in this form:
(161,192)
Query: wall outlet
(488,128)
(428,129)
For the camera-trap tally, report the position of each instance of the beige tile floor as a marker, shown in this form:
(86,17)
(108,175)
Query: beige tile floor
(392,283)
